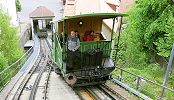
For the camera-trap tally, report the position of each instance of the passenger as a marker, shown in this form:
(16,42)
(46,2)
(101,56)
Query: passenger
(73,46)
(77,34)
(97,37)
(73,42)
(88,36)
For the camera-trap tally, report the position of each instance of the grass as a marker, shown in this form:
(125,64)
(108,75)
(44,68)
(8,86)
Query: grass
(152,72)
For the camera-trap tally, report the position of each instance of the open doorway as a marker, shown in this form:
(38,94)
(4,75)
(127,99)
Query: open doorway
(35,25)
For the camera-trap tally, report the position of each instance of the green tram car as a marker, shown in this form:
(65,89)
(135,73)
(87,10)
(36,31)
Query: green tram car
(95,63)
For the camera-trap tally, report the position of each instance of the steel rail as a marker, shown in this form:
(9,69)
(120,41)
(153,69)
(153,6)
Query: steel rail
(24,57)
(46,85)
(111,93)
(98,92)
(34,89)
(85,93)
(11,88)
(92,93)
(25,81)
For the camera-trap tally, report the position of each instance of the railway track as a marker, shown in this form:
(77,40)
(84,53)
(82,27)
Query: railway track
(40,70)
(98,92)
(37,79)
(38,84)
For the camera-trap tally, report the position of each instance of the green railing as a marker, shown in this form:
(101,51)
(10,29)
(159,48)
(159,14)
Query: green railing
(8,73)
(104,46)
(58,53)
(145,86)
(148,87)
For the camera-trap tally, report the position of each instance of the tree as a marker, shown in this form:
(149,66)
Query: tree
(9,50)
(18,6)
(149,33)
(3,61)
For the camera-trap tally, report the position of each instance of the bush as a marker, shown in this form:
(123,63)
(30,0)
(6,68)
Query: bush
(9,40)
(149,33)
(3,62)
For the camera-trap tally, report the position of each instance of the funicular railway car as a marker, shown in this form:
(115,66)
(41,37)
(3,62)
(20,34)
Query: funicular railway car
(42,33)
(92,64)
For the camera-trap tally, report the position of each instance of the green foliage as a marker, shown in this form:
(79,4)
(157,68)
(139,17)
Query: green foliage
(8,40)
(161,32)
(3,62)
(149,33)
(9,51)
(18,6)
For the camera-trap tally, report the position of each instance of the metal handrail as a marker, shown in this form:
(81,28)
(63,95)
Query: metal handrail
(16,61)
(145,79)
(17,64)
(138,81)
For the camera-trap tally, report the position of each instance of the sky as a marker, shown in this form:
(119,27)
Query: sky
(29,5)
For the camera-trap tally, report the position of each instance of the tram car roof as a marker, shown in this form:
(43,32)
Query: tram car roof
(98,15)
(90,21)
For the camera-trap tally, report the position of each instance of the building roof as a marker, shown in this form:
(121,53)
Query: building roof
(41,11)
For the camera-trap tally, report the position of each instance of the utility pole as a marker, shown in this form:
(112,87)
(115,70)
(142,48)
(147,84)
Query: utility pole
(167,71)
